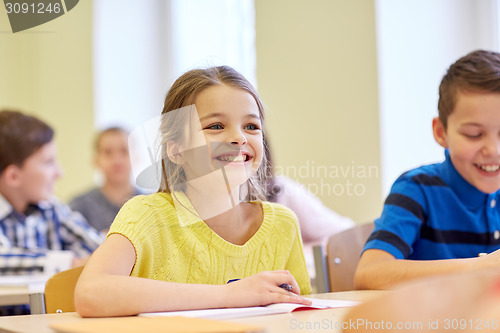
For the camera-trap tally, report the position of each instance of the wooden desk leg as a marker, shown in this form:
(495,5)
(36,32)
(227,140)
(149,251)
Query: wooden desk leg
(37,303)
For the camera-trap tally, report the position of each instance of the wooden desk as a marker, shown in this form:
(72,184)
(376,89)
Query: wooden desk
(14,296)
(23,289)
(19,296)
(324,320)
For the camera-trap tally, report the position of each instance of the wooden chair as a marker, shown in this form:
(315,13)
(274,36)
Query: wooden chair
(59,291)
(335,270)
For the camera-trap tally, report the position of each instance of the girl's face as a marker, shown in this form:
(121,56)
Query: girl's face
(227,137)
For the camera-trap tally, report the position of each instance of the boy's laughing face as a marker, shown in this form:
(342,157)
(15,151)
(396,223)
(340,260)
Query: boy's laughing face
(473,138)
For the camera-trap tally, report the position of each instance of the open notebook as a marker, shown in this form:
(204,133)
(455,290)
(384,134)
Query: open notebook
(229,313)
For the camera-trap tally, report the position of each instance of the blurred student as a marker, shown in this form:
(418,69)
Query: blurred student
(32,220)
(317,222)
(438,218)
(100,205)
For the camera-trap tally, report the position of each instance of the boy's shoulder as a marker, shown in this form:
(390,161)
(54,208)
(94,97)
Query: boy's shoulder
(430,174)
(91,196)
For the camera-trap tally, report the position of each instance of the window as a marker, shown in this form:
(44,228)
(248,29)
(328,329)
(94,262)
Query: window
(140,48)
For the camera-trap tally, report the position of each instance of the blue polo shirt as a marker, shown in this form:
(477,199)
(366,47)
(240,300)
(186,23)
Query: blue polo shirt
(432,212)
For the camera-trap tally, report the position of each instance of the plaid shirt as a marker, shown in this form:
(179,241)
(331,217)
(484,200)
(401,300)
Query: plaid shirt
(52,225)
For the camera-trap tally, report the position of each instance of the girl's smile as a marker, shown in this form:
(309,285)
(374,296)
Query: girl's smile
(234,158)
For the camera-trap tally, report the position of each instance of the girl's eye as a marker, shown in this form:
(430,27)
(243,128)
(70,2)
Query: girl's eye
(252,127)
(214,127)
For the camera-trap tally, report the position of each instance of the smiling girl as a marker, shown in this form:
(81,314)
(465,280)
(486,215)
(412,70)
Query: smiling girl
(178,249)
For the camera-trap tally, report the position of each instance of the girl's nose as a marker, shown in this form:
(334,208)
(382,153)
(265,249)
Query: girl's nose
(238,138)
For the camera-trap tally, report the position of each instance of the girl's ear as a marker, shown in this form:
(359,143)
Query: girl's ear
(173,152)
(439,132)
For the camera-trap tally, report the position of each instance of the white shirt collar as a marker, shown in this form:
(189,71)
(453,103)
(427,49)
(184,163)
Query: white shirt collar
(5,207)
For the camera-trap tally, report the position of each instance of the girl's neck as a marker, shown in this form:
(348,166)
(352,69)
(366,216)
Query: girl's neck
(211,197)
(221,210)
(238,224)
(117,193)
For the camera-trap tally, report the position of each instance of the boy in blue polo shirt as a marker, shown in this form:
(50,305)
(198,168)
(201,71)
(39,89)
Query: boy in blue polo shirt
(438,218)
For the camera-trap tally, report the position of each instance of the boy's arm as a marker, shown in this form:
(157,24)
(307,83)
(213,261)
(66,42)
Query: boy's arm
(18,261)
(76,234)
(378,269)
(465,297)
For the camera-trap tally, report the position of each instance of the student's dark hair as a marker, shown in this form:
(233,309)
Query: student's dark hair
(106,131)
(20,136)
(183,93)
(478,71)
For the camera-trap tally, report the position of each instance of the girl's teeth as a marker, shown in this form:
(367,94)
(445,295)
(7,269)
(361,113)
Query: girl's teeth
(228,158)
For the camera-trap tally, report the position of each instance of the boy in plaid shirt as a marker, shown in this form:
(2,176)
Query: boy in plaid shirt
(32,221)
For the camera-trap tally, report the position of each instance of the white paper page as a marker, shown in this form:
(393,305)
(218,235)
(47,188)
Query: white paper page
(316,304)
(229,313)
(332,303)
(225,313)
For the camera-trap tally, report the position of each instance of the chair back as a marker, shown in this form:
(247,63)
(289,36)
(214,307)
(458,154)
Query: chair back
(60,289)
(343,252)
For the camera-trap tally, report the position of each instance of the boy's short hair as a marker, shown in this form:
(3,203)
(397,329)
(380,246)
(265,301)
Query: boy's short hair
(478,71)
(20,136)
(104,132)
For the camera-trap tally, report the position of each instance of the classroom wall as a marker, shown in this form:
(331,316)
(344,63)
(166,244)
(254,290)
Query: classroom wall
(317,74)
(320,52)
(417,40)
(47,71)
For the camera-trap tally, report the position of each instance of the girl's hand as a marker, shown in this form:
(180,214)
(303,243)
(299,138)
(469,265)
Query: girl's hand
(262,289)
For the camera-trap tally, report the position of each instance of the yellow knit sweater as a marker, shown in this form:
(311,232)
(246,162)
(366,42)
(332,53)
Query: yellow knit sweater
(179,247)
